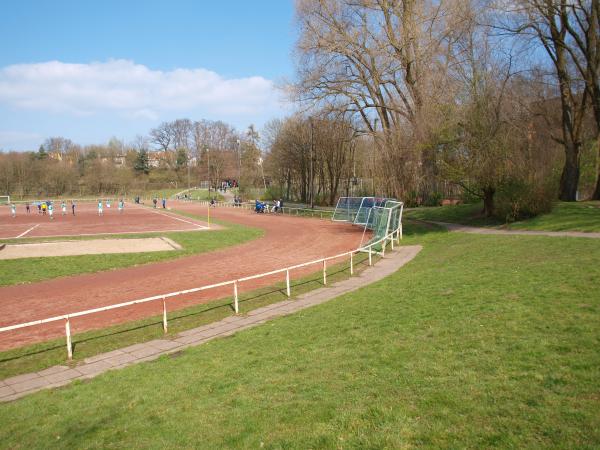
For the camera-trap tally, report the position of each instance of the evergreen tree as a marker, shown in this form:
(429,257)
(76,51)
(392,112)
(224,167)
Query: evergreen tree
(141,163)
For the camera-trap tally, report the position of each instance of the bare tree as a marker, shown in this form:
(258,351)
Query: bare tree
(163,136)
(549,22)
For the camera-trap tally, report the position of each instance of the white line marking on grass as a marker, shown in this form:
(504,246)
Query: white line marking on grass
(25,232)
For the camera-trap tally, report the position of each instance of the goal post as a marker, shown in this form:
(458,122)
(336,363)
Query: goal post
(4,199)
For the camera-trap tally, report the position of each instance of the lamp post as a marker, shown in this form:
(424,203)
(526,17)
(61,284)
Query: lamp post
(208,168)
(188,167)
(239,164)
(373,156)
(312,184)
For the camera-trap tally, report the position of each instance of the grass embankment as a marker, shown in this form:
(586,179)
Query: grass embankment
(28,270)
(481,341)
(565,216)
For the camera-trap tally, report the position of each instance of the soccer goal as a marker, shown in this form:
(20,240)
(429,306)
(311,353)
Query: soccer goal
(4,199)
(385,225)
(351,209)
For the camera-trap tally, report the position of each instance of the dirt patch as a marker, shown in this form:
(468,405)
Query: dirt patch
(88,247)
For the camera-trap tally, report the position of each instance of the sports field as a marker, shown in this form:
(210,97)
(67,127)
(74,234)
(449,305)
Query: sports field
(480,342)
(287,241)
(87,222)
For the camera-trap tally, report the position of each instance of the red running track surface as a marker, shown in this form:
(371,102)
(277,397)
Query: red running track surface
(287,241)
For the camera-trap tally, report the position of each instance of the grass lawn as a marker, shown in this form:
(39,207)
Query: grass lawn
(481,341)
(565,216)
(28,270)
(580,216)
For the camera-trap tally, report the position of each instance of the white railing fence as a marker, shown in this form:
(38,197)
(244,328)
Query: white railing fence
(389,238)
(285,210)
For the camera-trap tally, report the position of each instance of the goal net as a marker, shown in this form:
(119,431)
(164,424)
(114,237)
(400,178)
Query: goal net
(384,223)
(4,199)
(352,209)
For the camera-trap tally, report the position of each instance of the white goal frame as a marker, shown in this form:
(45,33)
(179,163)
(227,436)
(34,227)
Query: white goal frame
(2,197)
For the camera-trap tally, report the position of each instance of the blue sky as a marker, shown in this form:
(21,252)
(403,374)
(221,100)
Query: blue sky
(91,70)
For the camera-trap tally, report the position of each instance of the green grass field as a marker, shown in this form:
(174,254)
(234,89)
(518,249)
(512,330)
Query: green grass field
(29,270)
(565,216)
(480,342)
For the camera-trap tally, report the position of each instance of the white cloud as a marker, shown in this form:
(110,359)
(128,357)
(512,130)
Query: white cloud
(132,90)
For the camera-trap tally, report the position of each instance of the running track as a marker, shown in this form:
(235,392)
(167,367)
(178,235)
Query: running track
(287,241)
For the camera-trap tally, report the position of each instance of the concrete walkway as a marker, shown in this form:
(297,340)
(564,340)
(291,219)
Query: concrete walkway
(21,385)
(480,230)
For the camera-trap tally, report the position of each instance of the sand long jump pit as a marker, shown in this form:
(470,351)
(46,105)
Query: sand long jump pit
(87,221)
(87,247)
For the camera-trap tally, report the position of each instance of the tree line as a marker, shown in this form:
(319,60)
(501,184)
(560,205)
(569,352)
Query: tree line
(175,154)
(494,100)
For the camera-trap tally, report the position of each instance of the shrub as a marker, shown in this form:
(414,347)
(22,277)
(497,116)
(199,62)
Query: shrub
(520,199)
(433,199)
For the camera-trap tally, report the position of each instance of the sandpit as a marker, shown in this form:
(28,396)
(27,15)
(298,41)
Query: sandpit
(87,247)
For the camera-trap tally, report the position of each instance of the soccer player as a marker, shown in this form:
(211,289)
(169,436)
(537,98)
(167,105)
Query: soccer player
(51,210)
(99,207)
(73,206)
(121,205)
(108,203)
(13,210)
(44,208)
(27,208)
(63,206)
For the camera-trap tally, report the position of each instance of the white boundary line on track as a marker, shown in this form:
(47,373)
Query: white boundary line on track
(176,218)
(25,232)
(110,233)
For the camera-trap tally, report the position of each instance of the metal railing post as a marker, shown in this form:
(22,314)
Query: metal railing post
(235,297)
(370,257)
(392,241)
(287,282)
(68,333)
(351,263)
(164,315)
(325,271)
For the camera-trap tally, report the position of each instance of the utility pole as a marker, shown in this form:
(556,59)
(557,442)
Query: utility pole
(312,184)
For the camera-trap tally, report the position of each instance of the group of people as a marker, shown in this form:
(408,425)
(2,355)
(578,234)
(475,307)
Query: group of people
(45,207)
(263,207)
(120,206)
(164,202)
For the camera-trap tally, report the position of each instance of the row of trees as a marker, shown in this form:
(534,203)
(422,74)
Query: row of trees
(498,98)
(175,154)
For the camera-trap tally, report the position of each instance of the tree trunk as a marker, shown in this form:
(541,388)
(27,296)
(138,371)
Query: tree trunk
(596,194)
(569,179)
(488,201)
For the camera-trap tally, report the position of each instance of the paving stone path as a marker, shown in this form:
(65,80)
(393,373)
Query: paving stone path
(480,230)
(21,385)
